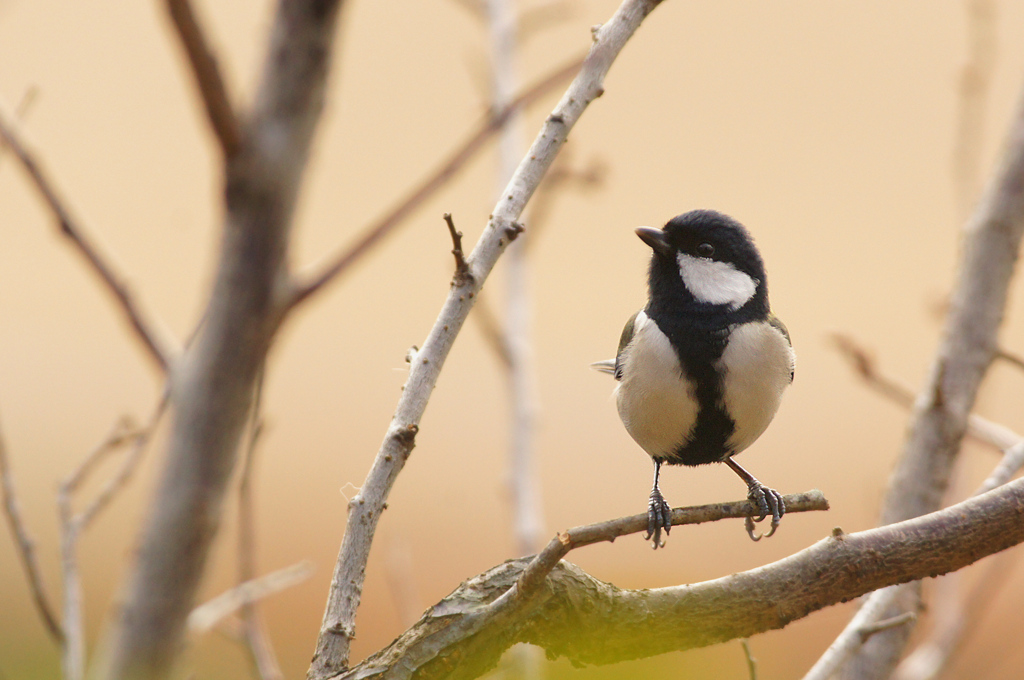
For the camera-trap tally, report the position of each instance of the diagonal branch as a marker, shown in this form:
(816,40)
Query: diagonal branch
(979,428)
(26,547)
(487,128)
(158,347)
(992,241)
(338,627)
(208,77)
(572,614)
(207,615)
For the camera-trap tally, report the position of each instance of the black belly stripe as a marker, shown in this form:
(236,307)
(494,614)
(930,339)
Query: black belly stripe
(699,345)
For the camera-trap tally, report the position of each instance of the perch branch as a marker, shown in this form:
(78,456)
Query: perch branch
(572,614)
(26,548)
(155,345)
(338,627)
(208,77)
(476,140)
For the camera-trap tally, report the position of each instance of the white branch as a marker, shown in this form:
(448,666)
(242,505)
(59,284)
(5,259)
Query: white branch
(338,628)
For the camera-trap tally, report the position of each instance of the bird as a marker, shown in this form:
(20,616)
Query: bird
(701,369)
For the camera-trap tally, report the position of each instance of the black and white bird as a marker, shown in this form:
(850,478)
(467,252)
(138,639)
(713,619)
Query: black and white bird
(703,366)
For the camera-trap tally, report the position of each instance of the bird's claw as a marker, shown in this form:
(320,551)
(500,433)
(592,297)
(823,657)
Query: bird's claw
(768,502)
(659,516)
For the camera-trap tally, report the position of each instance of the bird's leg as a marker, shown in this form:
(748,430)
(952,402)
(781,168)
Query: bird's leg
(659,514)
(768,501)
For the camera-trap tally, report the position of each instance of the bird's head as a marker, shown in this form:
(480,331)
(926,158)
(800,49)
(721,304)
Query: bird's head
(708,258)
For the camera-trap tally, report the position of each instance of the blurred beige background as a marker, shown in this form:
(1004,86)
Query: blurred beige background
(827,128)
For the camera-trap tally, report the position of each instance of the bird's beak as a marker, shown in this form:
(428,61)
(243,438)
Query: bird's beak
(656,239)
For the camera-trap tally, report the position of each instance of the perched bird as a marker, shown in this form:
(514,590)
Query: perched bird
(703,366)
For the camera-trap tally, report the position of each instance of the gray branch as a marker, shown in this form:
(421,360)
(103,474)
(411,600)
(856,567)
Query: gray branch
(942,411)
(212,385)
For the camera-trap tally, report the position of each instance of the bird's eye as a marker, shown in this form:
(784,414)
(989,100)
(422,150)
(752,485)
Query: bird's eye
(705,250)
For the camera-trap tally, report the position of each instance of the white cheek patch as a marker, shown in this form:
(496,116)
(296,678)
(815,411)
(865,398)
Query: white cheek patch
(714,282)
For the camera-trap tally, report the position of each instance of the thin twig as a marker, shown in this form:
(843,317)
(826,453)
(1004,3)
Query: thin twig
(208,77)
(462,274)
(980,429)
(492,331)
(254,631)
(21,112)
(885,624)
(751,661)
(207,615)
(156,346)
(1010,358)
(474,143)
(26,547)
(71,527)
(129,465)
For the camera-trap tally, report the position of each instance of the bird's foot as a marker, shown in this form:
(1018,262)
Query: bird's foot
(659,516)
(768,502)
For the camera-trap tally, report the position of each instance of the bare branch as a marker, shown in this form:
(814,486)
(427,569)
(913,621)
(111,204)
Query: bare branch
(338,627)
(208,77)
(979,428)
(572,614)
(474,143)
(155,344)
(942,412)
(26,547)
(215,380)
(207,615)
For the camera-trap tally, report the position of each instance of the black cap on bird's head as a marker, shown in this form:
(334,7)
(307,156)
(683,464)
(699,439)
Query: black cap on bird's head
(707,258)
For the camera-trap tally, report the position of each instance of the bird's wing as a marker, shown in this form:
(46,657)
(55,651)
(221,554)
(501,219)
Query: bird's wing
(776,323)
(611,366)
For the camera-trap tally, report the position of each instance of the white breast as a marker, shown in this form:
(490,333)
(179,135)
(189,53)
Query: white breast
(655,400)
(758,363)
